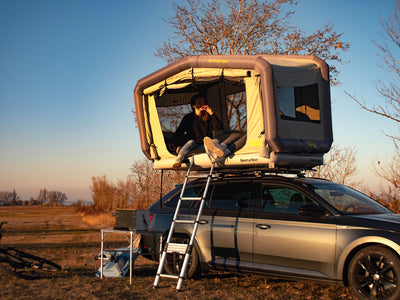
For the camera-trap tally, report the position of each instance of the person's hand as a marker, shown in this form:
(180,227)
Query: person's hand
(208,109)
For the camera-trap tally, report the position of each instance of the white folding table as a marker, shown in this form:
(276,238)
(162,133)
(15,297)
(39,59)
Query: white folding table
(127,232)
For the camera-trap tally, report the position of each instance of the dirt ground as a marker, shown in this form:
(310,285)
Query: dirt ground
(58,234)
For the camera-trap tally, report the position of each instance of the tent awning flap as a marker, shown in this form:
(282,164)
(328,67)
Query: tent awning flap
(193,76)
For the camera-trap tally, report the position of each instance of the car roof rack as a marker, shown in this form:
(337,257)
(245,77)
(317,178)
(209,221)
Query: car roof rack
(258,172)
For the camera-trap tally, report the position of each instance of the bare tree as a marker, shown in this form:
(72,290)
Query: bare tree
(389,54)
(340,166)
(9,198)
(5,198)
(140,189)
(42,198)
(109,196)
(148,183)
(246,27)
(124,193)
(145,178)
(51,197)
(389,171)
(103,193)
(56,197)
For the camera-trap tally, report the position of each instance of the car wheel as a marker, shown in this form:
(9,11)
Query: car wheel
(374,273)
(174,261)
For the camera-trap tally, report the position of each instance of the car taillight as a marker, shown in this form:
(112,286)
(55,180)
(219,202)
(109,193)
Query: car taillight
(150,217)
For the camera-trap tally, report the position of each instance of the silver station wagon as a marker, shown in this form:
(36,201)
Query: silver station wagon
(291,227)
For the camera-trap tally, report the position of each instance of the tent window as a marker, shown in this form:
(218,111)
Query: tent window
(299,103)
(171,116)
(237,111)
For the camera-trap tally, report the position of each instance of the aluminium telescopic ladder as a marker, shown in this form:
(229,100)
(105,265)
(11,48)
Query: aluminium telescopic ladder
(181,248)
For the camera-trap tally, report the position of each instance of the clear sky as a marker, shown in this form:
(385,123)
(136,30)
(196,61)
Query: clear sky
(68,69)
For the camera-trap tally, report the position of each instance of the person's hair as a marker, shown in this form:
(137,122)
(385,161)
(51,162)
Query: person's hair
(194,98)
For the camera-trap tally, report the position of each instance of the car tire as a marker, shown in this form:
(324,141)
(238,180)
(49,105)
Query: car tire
(174,261)
(374,273)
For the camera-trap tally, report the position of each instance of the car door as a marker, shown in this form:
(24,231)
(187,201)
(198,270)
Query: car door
(286,242)
(230,223)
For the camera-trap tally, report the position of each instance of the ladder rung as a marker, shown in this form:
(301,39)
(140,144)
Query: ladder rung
(169,276)
(198,176)
(191,198)
(177,248)
(185,221)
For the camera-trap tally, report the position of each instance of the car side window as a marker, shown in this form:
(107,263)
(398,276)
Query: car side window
(282,200)
(236,196)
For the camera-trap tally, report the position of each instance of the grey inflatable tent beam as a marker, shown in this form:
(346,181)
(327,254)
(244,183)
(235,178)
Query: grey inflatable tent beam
(259,64)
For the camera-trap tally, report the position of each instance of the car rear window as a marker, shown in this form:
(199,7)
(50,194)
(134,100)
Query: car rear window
(190,191)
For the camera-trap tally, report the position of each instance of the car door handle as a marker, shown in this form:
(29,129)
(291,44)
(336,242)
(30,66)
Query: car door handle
(263,226)
(203,222)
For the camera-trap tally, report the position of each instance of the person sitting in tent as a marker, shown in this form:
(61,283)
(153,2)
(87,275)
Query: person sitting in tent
(219,151)
(194,127)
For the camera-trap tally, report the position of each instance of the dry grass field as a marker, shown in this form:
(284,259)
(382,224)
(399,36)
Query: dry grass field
(59,235)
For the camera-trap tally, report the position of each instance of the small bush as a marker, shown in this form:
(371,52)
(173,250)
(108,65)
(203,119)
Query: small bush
(99,219)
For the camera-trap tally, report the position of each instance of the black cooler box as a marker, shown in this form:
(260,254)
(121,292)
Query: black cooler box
(125,219)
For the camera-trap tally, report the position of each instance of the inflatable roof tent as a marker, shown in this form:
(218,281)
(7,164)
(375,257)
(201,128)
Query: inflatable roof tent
(281,103)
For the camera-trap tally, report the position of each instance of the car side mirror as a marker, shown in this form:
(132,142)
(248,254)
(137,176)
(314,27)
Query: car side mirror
(312,210)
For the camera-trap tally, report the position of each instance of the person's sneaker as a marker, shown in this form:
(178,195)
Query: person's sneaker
(177,165)
(211,155)
(213,147)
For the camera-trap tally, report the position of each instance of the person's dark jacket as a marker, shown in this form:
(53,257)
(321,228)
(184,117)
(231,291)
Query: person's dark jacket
(192,127)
